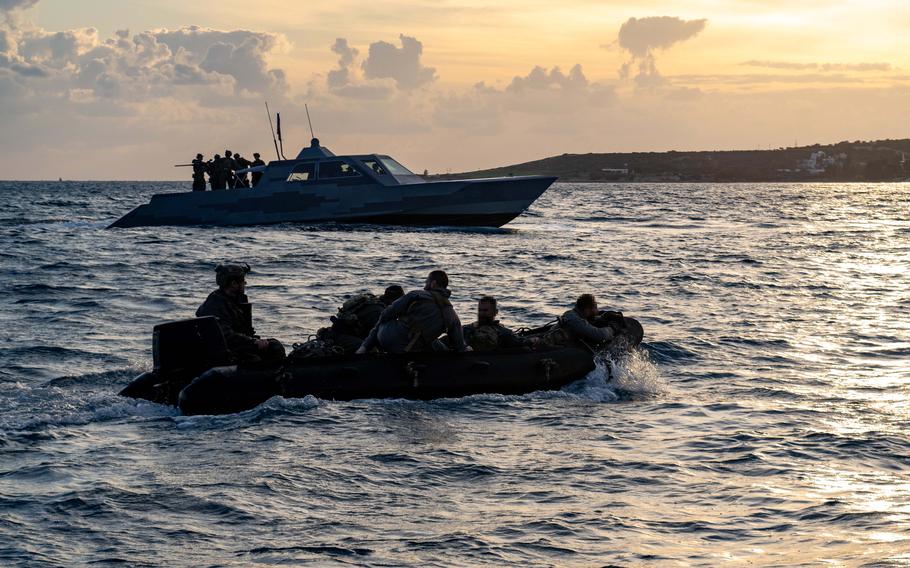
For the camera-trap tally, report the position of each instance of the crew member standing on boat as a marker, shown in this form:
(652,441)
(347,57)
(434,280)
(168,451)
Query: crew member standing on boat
(199,173)
(229,304)
(213,167)
(227,169)
(417,319)
(241,163)
(257,161)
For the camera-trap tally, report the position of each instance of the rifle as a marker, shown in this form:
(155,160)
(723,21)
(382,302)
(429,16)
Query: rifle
(183,165)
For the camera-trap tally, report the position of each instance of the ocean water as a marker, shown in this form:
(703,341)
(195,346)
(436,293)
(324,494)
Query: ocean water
(764,422)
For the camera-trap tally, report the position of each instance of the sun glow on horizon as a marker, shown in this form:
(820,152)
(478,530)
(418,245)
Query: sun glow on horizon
(453,85)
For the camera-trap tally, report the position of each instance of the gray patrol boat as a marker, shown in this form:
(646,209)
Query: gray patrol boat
(319,186)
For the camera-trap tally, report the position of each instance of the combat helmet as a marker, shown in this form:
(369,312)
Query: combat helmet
(226,272)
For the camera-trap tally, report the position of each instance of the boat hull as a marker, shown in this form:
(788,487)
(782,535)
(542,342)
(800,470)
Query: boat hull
(419,376)
(481,203)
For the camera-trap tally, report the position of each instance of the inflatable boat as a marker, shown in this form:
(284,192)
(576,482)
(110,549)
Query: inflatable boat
(193,371)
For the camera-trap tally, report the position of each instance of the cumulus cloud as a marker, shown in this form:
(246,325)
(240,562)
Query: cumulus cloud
(539,78)
(9,5)
(399,63)
(642,36)
(341,76)
(818,66)
(240,54)
(541,93)
(9,9)
(143,64)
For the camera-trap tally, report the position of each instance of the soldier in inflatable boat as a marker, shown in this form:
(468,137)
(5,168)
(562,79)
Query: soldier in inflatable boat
(415,321)
(488,334)
(585,324)
(231,307)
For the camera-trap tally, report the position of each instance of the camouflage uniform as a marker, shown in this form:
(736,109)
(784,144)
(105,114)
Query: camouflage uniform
(578,328)
(235,318)
(414,321)
(490,336)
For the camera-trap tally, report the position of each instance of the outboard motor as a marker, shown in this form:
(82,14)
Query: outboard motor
(189,344)
(181,351)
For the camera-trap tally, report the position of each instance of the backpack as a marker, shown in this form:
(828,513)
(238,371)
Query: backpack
(348,320)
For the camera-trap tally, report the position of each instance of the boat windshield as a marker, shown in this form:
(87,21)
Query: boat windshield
(336,169)
(375,167)
(303,172)
(394,167)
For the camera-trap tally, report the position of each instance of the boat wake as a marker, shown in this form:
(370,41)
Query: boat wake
(630,375)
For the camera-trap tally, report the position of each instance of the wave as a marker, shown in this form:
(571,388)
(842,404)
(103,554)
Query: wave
(31,409)
(668,352)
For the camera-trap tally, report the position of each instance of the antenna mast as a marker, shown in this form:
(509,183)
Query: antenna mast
(268,113)
(280,141)
(312,134)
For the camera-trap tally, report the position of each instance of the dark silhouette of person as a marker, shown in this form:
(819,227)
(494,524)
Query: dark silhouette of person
(216,175)
(199,168)
(257,161)
(231,307)
(241,163)
(227,169)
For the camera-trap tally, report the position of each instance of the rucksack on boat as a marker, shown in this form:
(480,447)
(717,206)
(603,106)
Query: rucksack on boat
(347,319)
(556,337)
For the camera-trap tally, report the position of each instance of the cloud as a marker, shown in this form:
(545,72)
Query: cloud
(379,76)
(399,63)
(9,5)
(10,9)
(819,66)
(753,79)
(642,36)
(240,54)
(135,67)
(363,91)
(539,78)
(552,95)
(341,76)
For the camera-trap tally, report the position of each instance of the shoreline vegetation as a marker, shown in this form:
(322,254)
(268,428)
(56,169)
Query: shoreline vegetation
(858,161)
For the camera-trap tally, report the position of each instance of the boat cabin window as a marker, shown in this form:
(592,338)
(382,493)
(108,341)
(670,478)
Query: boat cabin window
(303,172)
(376,167)
(394,167)
(336,169)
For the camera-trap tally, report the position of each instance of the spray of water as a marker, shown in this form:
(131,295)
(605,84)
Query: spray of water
(622,375)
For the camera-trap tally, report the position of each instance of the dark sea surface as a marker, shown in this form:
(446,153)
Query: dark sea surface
(764,422)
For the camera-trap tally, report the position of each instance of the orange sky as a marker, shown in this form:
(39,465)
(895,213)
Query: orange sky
(440,85)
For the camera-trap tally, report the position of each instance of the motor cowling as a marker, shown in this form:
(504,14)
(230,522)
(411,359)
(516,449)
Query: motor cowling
(196,344)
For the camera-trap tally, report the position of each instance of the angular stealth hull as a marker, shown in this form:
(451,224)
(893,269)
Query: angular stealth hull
(477,202)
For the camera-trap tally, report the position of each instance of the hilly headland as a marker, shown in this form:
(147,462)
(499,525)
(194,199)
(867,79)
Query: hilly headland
(858,161)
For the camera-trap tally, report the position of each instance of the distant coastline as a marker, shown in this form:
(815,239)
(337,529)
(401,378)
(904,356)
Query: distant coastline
(858,161)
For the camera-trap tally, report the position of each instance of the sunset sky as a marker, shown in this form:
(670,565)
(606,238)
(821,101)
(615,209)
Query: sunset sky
(124,89)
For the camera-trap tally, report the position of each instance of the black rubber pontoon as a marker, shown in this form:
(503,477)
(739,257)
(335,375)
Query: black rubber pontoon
(193,371)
